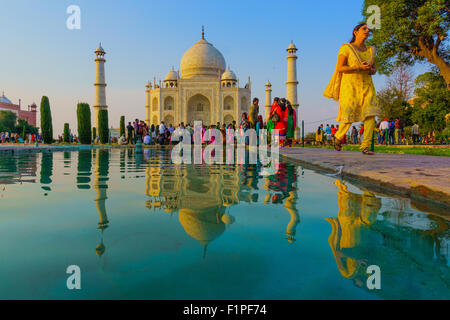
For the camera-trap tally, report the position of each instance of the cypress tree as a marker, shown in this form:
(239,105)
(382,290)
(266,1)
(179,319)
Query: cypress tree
(24,132)
(84,123)
(66,134)
(122,125)
(94,134)
(46,120)
(103,130)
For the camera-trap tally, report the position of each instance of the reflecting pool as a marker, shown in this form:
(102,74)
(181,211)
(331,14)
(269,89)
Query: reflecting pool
(140,227)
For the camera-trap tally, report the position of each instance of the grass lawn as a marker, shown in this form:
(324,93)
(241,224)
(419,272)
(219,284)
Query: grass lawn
(440,151)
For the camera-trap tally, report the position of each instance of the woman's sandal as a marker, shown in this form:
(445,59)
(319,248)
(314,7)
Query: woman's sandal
(337,145)
(367,152)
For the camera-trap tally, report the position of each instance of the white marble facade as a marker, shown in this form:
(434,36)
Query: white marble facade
(204,91)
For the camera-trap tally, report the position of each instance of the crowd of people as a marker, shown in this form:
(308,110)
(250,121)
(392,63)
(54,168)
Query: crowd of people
(11,137)
(387,132)
(282,117)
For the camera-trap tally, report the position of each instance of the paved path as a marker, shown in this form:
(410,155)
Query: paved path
(423,177)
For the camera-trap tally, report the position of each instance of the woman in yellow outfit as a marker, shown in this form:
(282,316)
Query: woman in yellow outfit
(352,86)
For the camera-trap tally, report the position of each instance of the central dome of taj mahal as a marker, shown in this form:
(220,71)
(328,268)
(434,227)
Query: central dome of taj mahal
(202,60)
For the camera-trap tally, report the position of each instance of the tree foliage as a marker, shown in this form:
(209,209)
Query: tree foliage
(393,99)
(7,121)
(21,123)
(66,134)
(84,123)
(432,102)
(46,120)
(94,133)
(122,125)
(411,31)
(103,130)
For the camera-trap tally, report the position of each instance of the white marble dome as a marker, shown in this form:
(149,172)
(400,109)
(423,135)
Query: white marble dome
(171,76)
(229,75)
(202,60)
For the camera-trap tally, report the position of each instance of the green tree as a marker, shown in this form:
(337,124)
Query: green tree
(432,102)
(103,129)
(84,123)
(7,121)
(46,120)
(66,135)
(29,129)
(122,125)
(24,132)
(411,31)
(94,133)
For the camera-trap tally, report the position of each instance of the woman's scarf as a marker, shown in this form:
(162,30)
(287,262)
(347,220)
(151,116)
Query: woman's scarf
(333,89)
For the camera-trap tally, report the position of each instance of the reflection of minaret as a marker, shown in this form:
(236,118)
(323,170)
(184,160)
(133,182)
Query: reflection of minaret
(100,84)
(268,99)
(291,207)
(100,185)
(292,83)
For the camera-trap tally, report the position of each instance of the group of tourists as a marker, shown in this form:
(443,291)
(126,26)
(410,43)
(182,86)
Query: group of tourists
(7,137)
(282,117)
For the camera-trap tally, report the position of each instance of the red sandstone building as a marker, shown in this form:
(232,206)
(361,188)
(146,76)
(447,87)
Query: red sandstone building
(28,115)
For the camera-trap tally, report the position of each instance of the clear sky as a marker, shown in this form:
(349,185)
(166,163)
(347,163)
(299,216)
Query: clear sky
(40,56)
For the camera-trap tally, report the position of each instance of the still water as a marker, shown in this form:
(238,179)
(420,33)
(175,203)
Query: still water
(140,227)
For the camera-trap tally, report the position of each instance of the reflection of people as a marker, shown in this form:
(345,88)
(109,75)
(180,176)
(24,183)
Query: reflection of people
(291,206)
(356,213)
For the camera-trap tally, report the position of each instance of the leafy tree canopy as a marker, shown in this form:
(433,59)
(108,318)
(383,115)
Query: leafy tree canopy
(411,31)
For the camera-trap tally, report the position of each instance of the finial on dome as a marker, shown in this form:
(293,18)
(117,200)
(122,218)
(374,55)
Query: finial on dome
(203,32)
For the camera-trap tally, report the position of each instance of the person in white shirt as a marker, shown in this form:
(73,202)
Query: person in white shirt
(162,128)
(384,127)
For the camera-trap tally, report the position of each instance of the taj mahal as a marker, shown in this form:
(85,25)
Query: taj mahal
(204,89)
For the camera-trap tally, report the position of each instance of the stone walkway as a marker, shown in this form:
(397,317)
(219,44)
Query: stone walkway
(422,177)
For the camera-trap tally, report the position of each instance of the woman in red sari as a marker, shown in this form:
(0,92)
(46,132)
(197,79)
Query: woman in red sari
(280,110)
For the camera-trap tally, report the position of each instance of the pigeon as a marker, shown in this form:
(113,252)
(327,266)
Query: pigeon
(338,172)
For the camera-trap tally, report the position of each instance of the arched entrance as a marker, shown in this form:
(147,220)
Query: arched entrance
(168,120)
(228,119)
(199,109)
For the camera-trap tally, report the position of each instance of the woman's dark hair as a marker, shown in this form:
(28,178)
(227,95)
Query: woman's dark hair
(283,104)
(356,29)
(255,99)
(289,106)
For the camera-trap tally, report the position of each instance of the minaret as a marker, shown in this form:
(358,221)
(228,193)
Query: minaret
(147,106)
(100,84)
(292,83)
(268,99)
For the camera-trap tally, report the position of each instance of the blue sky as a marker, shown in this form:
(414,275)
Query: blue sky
(143,39)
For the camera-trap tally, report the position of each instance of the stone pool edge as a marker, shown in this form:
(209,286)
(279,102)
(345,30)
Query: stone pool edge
(411,186)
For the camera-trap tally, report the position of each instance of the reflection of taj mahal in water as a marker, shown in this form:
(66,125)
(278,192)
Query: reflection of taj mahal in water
(202,195)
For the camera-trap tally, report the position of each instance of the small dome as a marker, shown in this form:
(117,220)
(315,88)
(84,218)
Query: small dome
(292,47)
(100,49)
(171,76)
(202,60)
(268,84)
(229,75)
(4,99)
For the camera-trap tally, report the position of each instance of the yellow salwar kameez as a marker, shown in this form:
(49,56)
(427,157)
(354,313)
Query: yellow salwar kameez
(356,94)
